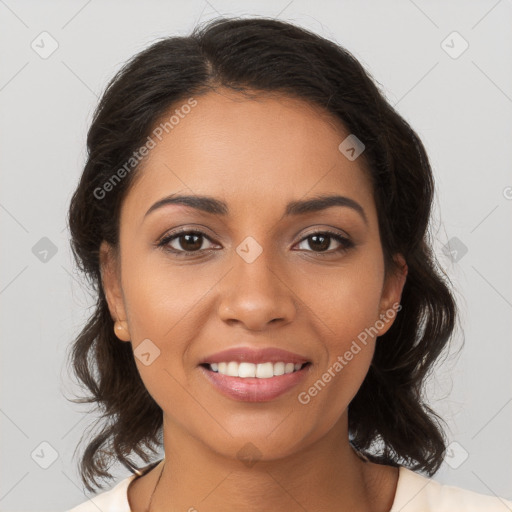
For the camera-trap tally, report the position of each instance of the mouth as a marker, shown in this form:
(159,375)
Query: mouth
(245,370)
(250,375)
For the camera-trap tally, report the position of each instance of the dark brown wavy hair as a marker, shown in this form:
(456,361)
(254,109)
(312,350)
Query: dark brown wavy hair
(265,56)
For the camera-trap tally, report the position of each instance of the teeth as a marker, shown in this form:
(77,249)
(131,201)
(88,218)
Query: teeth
(246,370)
(232,369)
(260,371)
(279,368)
(264,370)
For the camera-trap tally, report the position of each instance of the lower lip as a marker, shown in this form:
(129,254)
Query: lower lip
(252,389)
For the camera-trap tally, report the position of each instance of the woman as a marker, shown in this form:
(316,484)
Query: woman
(254,215)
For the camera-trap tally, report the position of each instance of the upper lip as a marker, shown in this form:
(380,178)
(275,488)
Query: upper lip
(253,355)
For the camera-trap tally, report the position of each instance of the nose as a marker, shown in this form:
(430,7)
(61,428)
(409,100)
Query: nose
(256,294)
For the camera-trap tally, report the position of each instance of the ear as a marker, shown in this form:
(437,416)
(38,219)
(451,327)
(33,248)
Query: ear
(111,281)
(391,294)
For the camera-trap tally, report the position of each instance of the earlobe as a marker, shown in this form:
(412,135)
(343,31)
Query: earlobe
(121,330)
(112,288)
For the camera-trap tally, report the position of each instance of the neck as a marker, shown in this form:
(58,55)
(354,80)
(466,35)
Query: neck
(325,475)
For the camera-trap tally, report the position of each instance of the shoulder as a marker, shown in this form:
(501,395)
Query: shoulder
(417,493)
(114,500)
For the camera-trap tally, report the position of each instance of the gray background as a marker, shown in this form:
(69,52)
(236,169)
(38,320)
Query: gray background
(461,107)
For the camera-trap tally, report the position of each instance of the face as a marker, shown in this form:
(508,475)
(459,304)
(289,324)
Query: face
(258,272)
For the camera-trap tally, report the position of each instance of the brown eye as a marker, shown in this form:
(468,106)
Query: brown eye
(184,242)
(190,242)
(321,241)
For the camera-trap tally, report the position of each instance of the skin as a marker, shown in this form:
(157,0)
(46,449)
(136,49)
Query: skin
(256,155)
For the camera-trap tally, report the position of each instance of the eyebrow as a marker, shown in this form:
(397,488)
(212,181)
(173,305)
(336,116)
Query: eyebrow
(214,206)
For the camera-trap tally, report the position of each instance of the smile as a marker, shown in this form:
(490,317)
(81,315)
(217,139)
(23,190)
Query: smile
(259,371)
(249,382)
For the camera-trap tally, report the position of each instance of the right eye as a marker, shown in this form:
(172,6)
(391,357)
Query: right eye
(184,243)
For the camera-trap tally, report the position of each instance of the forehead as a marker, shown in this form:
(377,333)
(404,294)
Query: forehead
(263,150)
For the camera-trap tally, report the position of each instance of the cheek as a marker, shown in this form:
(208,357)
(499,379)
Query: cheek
(164,307)
(345,308)
(161,299)
(337,379)
(347,298)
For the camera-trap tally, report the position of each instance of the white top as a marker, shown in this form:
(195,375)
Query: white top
(414,493)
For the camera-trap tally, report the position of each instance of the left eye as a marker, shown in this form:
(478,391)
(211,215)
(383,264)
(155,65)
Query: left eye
(321,241)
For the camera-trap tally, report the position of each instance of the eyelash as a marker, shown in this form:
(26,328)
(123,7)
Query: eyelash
(345,243)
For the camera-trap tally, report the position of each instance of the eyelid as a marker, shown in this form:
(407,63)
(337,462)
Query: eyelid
(189,228)
(331,231)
